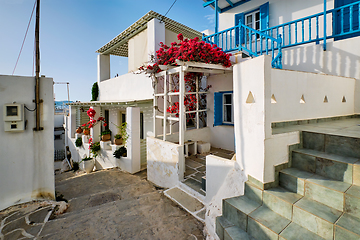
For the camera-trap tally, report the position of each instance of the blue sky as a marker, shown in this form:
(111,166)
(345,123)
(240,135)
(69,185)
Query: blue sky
(72,30)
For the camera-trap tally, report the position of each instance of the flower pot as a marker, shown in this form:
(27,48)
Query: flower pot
(105,137)
(79,130)
(86,131)
(118,141)
(89,165)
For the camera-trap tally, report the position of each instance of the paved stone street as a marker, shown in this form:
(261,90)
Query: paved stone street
(107,204)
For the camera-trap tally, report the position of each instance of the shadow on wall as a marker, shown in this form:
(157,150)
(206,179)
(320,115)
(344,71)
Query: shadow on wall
(334,61)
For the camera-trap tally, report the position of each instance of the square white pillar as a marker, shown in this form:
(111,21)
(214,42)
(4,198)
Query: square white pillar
(103,67)
(156,34)
(72,121)
(96,130)
(133,142)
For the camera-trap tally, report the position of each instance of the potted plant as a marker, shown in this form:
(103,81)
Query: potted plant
(86,130)
(89,164)
(121,152)
(79,130)
(78,142)
(118,139)
(106,135)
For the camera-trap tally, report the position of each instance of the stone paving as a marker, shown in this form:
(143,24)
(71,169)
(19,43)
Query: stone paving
(107,204)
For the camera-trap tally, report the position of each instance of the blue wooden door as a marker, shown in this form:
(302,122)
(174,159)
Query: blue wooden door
(342,20)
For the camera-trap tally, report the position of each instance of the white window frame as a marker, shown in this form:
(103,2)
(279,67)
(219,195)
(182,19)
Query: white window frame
(232,108)
(253,24)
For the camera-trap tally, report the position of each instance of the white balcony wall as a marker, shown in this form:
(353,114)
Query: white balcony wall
(126,87)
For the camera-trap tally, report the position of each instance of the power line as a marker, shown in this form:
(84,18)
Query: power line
(22,45)
(168,10)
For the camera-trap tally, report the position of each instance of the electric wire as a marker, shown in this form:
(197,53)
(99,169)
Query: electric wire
(22,45)
(31,110)
(168,10)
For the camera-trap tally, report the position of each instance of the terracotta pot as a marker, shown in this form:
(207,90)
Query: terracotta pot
(89,165)
(79,130)
(105,137)
(118,141)
(86,131)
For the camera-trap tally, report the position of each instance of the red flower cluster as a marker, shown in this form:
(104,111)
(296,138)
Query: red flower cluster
(91,113)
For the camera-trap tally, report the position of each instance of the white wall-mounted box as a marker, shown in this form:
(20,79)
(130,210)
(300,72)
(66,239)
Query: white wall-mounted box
(13,117)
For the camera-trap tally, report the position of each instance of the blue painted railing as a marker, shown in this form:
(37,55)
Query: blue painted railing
(345,20)
(253,42)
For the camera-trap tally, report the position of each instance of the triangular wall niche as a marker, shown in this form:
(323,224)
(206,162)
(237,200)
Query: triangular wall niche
(326,99)
(250,98)
(273,99)
(302,99)
(343,99)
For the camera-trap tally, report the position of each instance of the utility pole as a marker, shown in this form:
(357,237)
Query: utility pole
(37,60)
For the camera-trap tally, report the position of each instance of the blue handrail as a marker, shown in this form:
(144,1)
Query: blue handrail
(345,20)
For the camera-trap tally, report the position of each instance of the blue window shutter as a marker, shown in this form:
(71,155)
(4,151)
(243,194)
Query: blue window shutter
(264,16)
(218,108)
(345,22)
(239,37)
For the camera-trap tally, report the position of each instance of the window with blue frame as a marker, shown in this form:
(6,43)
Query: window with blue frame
(223,108)
(257,19)
(344,17)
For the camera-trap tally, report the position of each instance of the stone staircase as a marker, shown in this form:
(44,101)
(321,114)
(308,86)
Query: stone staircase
(318,197)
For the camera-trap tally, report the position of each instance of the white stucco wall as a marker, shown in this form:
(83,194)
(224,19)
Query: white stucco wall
(221,136)
(126,87)
(27,158)
(170,37)
(137,50)
(289,86)
(163,162)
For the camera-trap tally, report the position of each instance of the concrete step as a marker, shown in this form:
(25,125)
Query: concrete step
(352,201)
(237,209)
(235,233)
(186,201)
(221,224)
(263,223)
(325,164)
(334,144)
(327,191)
(316,217)
(296,232)
(347,227)
(281,201)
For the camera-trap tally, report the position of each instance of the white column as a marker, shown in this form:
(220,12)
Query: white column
(103,67)
(182,122)
(96,130)
(156,34)
(71,124)
(133,142)
(165,106)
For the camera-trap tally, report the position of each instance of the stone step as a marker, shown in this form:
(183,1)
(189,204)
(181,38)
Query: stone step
(327,191)
(316,217)
(186,201)
(281,201)
(221,224)
(334,144)
(253,192)
(352,201)
(235,233)
(237,209)
(332,166)
(296,232)
(263,223)
(347,227)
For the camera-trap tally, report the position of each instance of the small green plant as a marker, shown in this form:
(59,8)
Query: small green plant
(75,166)
(117,136)
(105,132)
(78,142)
(86,159)
(95,148)
(94,92)
(121,152)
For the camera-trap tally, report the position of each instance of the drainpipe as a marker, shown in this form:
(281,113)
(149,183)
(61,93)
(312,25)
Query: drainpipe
(324,43)
(37,59)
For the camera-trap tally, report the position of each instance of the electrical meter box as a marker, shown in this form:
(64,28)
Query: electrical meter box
(14,117)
